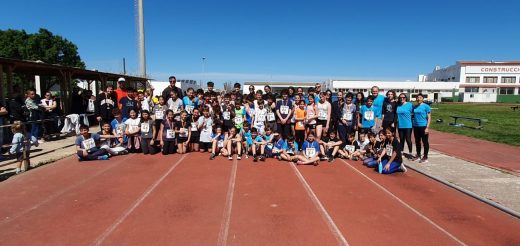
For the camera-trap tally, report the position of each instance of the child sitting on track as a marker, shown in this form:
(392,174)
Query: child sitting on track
(310,150)
(279,144)
(268,138)
(290,151)
(258,145)
(218,140)
(351,146)
(118,128)
(330,145)
(247,140)
(234,144)
(87,146)
(392,159)
(374,149)
(108,142)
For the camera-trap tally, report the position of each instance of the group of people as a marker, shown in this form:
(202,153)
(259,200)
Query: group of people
(298,126)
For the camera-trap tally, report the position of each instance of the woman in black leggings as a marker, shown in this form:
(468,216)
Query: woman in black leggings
(422,119)
(404,123)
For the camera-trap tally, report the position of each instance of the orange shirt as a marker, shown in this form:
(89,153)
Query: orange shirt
(299,116)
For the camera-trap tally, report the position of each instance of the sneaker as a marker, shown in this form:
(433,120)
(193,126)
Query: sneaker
(323,158)
(212,156)
(230,158)
(315,163)
(262,158)
(239,157)
(354,158)
(331,159)
(380,167)
(255,158)
(423,160)
(103,158)
(18,170)
(415,158)
(403,168)
(247,156)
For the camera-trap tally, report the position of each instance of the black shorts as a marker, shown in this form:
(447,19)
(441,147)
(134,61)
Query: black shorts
(181,140)
(19,156)
(321,122)
(311,126)
(205,146)
(195,138)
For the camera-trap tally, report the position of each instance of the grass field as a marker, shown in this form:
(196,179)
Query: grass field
(502,126)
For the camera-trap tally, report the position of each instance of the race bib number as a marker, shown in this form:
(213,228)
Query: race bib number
(133,128)
(310,152)
(226,115)
(91,107)
(300,124)
(120,129)
(270,117)
(145,127)
(276,150)
(189,109)
(322,115)
(310,115)
(239,120)
(284,109)
(89,144)
(260,118)
(220,144)
(389,150)
(183,132)
(347,116)
(369,115)
(270,145)
(350,148)
(174,108)
(290,152)
(159,114)
(194,126)
(170,134)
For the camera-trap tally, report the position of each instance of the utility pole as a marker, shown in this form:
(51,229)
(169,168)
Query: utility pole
(203,71)
(142,57)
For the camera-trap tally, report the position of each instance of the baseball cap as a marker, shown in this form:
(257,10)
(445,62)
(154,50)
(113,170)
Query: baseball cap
(121,79)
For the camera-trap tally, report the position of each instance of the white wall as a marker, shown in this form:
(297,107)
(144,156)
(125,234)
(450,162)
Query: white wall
(479,97)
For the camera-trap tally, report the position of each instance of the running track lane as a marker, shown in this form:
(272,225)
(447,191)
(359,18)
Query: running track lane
(80,215)
(186,208)
(437,214)
(477,150)
(470,220)
(271,207)
(364,214)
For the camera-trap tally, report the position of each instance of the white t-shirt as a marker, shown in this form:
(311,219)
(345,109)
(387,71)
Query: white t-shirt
(260,117)
(206,131)
(323,110)
(133,124)
(175,106)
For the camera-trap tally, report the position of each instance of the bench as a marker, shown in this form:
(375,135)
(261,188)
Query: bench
(479,120)
(514,108)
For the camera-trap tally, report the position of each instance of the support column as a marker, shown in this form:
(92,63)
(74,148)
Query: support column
(10,80)
(2,96)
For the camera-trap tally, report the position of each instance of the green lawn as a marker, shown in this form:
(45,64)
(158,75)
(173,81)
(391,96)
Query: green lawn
(503,125)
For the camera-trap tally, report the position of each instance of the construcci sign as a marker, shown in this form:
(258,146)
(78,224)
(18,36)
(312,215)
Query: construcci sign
(493,69)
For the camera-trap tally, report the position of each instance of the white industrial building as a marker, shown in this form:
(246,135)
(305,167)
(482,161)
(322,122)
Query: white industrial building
(276,87)
(481,81)
(433,91)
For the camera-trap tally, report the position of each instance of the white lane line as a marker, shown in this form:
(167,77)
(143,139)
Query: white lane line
(58,194)
(136,204)
(406,205)
(324,214)
(226,218)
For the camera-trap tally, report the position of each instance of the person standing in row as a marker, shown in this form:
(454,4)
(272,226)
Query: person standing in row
(422,119)
(105,103)
(404,122)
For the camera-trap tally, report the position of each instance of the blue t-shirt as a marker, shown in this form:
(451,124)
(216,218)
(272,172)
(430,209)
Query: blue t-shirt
(289,149)
(280,144)
(259,138)
(247,136)
(186,101)
(378,105)
(80,141)
(368,116)
(420,114)
(314,144)
(404,115)
(127,105)
(119,128)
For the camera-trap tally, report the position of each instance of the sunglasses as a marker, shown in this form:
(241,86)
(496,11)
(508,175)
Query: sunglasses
(402,97)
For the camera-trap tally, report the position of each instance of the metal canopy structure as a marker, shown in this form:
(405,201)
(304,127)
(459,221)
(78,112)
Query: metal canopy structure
(65,75)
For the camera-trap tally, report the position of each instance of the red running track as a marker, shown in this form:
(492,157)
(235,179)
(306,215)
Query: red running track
(497,155)
(189,200)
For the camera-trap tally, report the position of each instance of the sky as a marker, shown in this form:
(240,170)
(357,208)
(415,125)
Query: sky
(279,40)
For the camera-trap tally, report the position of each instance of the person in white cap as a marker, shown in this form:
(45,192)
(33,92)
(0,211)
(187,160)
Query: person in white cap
(120,91)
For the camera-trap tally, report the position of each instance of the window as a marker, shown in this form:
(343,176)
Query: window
(506,91)
(490,79)
(472,79)
(471,89)
(508,79)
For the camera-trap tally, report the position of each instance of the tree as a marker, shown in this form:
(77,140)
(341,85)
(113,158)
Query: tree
(43,45)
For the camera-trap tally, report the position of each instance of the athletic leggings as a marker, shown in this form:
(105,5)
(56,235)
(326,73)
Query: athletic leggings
(94,155)
(300,138)
(394,167)
(146,146)
(405,134)
(420,135)
(169,147)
